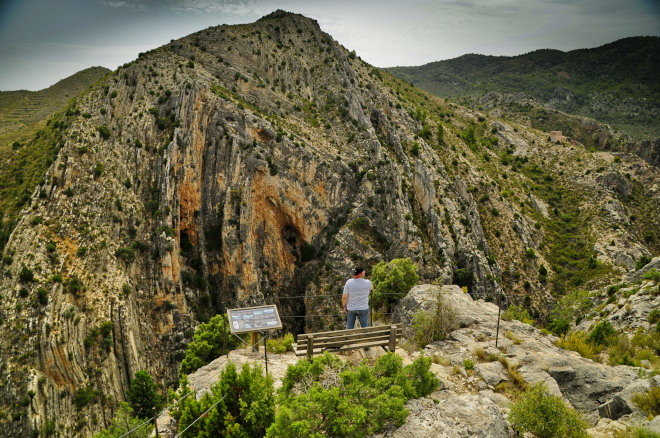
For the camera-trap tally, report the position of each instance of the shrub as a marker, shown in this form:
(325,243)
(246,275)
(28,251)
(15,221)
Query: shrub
(546,415)
(468,364)
(652,274)
(98,170)
(601,334)
(190,64)
(463,277)
(576,341)
(42,296)
(643,261)
(393,280)
(143,395)
(648,401)
(8,260)
(208,344)
(246,411)
(359,401)
(517,313)
(307,252)
(25,275)
(281,345)
(85,396)
(126,254)
(113,94)
(123,422)
(74,285)
(435,325)
(640,432)
(104,132)
(559,326)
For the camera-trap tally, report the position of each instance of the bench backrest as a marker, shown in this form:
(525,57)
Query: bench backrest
(341,340)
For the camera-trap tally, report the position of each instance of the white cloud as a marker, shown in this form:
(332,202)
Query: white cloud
(134,6)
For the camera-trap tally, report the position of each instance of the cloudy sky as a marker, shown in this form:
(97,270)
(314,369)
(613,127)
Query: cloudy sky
(43,41)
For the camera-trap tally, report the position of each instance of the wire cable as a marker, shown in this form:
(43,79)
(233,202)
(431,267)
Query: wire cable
(178,435)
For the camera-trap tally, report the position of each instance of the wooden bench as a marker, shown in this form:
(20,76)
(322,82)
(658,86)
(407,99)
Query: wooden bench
(344,340)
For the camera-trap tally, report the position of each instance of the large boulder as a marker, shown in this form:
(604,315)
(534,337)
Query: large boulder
(616,182)
(453,416)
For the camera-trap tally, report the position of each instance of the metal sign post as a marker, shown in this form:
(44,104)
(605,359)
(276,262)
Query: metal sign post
(499,312)
(255,320)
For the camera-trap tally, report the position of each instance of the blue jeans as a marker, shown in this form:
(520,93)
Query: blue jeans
(362,315)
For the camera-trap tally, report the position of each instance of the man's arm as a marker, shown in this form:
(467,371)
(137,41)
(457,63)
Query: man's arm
(344,298)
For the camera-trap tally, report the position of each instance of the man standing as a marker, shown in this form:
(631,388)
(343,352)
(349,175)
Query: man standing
(356,299)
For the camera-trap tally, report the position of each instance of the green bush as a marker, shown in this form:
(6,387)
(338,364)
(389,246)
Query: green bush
(559,326)
(360,402)
(42,296)
(652,274)
(468,364)
(640,432)
(207,344)
(85,396)
(123,422)
(601,334)
(98,170)
(143,395)
(281,345)
(113,94)
(435,325)
(393,280)
(654,316)
(649,401)
(104,132)
(126,254)
(463,277)
(246,411)
(546,415)
(643,261)
(517,313)
(25,275)
(307,252)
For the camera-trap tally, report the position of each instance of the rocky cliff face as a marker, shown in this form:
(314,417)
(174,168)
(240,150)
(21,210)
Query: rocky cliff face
(253,163)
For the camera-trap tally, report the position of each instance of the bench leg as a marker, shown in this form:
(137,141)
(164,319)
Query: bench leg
(310,347)
(392,338)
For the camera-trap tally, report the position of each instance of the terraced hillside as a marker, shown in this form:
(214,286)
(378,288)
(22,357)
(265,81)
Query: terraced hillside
(27,140)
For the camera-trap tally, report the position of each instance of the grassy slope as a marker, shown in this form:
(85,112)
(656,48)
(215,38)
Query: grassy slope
(35,120)
(615,83)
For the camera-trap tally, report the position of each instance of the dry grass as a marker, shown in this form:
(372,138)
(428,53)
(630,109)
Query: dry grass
(441,360)
(510,336)
(480,353)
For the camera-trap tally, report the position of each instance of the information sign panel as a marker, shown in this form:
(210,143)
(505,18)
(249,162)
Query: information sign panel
(253,319)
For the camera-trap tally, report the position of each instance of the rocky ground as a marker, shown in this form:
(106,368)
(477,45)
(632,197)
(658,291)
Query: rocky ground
(475,403)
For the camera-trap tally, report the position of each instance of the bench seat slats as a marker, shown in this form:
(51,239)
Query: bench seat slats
(344,348)
(303,336)
(340,340)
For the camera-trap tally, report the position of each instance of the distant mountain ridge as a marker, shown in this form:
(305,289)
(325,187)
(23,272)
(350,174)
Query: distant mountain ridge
(616,83)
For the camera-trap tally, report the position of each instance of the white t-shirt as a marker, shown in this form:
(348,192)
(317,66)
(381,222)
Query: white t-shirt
(357,290)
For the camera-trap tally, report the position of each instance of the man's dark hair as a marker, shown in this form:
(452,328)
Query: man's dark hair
(358,271)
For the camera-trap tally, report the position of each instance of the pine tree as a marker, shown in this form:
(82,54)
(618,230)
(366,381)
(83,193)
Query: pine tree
(143,395)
